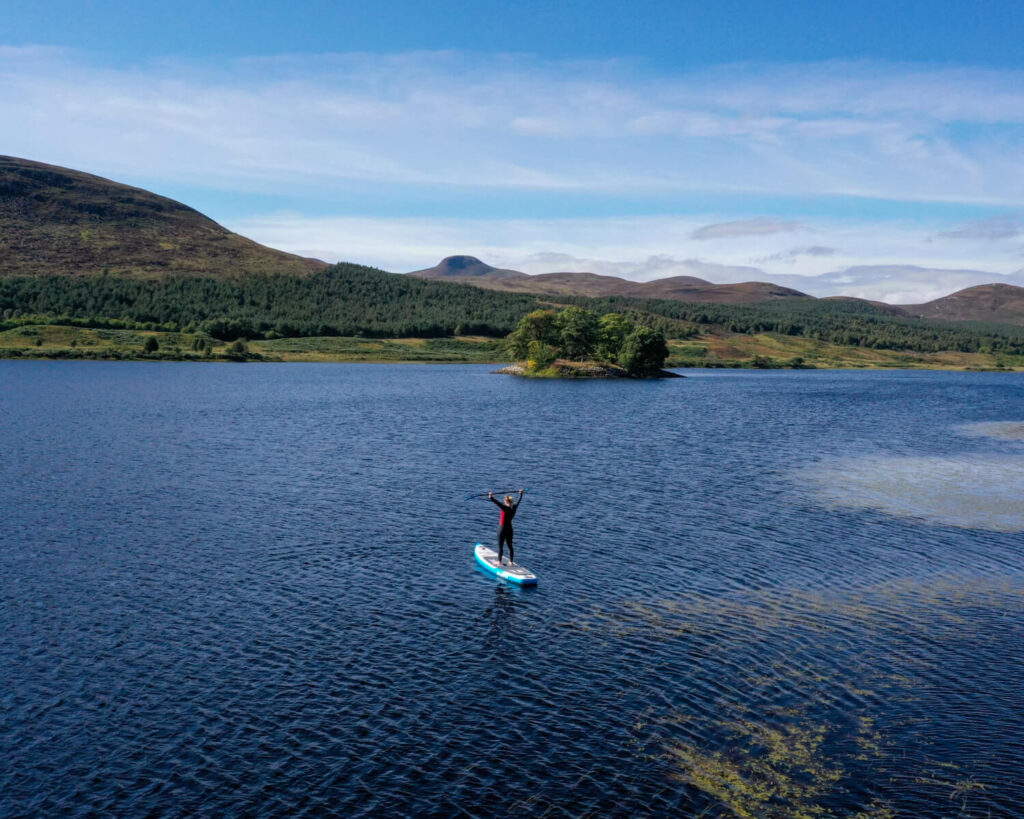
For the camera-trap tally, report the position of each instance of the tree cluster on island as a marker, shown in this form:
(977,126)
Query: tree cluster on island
(544,336)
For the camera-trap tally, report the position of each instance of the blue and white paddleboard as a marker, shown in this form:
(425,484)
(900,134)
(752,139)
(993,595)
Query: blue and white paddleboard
(512,572)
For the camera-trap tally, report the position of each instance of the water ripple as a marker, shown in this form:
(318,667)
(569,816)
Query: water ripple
(251,591)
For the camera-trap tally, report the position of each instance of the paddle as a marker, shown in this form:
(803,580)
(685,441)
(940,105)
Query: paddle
(485,494)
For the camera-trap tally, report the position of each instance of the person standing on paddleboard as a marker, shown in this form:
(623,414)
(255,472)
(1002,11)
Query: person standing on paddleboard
(508,511)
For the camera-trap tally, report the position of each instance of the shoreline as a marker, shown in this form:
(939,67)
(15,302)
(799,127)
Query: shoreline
(581,370)
(669,371)
(710,351)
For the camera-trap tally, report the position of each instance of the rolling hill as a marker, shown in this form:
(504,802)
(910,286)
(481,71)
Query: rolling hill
(998,303)
(81,252)
(57,221)
(61,222)
(470,270)
(987,302)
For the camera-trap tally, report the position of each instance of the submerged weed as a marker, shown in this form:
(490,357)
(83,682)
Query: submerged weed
(767,771)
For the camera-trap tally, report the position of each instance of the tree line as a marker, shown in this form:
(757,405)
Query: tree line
(342,300)
(353,300)
(848,322)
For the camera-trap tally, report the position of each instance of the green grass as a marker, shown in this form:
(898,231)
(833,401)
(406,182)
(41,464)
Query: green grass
(713,349)
(334,348)
(63,341)
(722,349)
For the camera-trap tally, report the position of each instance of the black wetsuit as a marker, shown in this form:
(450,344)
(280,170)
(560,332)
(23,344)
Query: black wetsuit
(505,529)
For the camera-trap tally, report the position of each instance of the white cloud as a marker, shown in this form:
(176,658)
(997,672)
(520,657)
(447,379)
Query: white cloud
(894,284)
(513,122)
(459,127)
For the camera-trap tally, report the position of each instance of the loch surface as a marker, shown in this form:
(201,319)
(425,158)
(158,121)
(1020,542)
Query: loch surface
(235,590)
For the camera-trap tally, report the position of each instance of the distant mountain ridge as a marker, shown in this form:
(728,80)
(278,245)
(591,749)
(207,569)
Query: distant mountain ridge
(58,221)
(997,302)
(470,270)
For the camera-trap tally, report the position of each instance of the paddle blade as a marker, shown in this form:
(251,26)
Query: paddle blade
(485,494)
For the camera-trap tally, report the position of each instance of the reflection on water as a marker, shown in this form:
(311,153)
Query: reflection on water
(1000,430)
(499,618)
(977,492)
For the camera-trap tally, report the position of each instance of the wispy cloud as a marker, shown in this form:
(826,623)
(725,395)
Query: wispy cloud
(796,252)
(1007,226)
(513,122)
(746,227)
(449,130)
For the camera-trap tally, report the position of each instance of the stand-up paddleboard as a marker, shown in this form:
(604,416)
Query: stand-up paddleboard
(512,572)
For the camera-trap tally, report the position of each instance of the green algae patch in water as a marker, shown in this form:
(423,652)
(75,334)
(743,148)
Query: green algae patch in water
(789,704)
(766,771)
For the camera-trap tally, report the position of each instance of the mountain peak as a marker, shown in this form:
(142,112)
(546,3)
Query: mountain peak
(464,267)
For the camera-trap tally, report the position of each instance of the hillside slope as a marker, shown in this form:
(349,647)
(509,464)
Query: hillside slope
(986,302)
(57,221)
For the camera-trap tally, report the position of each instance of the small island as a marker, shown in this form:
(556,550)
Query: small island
(577,343)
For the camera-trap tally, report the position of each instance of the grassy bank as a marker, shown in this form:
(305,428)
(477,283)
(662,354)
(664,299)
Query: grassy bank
(464,349)
(770,350)
(713,349)
(60,341)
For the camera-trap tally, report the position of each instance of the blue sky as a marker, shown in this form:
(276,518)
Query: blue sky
(874,148)
(670,34)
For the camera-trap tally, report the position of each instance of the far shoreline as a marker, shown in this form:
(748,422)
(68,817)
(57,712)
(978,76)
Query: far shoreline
(707,352)
(669,372)
(582,371)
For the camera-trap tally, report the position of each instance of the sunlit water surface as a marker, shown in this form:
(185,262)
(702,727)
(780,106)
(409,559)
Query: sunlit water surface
(250,590)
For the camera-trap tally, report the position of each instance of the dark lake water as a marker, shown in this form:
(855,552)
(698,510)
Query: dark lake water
(235,590)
